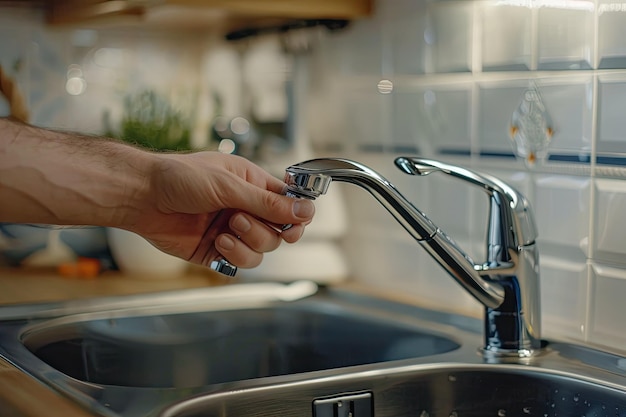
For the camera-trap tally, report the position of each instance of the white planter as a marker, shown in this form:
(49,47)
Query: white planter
(137,257)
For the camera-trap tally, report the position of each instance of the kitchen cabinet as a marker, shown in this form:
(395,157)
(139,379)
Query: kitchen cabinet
(226,14)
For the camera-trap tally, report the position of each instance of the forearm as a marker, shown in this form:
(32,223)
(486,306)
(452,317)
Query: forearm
(62,178)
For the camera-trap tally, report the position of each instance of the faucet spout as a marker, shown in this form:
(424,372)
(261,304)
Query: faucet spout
(511,321)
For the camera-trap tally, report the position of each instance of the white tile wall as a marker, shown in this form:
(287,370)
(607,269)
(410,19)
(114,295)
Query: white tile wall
(569,100)
(410,37)
(497,102)
(507,37)
(458,70)
(565,37)
(608,310)
(611,121)
(432,108)
(452,49)
(112,63)
(610,228)
(562,211)
(611,33)
(451,95)
(564,312)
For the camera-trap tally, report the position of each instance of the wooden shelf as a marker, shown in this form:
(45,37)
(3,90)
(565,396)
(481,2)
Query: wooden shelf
(223,14)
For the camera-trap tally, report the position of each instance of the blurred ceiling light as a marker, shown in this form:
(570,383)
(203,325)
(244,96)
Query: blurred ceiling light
(583,5)
(226,146)
(74,70)
(385,86)
(75,86)
(240,125)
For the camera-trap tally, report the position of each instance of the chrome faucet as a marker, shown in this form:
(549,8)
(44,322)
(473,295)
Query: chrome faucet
(507,284)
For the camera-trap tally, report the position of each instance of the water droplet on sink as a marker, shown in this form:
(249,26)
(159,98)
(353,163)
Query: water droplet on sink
(452,378)
(576,398)
(454,414)
(501,413)
(424,413)
(526,410)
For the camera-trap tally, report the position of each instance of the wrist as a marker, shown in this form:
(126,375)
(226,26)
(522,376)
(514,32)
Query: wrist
(138,198)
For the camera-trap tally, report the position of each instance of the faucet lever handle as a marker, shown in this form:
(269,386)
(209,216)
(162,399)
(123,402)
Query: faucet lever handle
(510,210)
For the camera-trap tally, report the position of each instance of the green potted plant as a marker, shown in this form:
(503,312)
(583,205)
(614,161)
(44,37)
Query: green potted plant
(151,122)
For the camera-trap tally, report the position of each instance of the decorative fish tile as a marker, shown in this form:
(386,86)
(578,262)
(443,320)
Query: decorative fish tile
(531,127)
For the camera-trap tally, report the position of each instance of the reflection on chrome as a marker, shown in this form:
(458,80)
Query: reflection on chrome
(270,349)
(507,284)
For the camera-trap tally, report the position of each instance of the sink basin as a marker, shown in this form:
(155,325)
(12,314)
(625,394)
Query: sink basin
(211,352)
(204,348)
(447,390)
(133,356)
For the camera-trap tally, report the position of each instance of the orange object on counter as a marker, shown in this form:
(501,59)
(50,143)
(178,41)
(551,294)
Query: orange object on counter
(82,268)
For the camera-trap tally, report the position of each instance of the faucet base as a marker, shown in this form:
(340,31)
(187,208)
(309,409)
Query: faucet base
(496,355)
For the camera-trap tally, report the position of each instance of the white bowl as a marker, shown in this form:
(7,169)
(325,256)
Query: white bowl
(137,257)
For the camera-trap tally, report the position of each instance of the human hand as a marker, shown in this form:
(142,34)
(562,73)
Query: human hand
(205,203)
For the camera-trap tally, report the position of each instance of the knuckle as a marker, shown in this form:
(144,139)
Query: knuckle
(272,202)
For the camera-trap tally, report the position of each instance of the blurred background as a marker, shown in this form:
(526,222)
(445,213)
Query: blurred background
(368,80)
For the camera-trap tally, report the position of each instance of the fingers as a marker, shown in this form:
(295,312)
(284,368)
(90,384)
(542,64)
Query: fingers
(251,237)
(257,235)
(237,252)
(271,206)
(243,185)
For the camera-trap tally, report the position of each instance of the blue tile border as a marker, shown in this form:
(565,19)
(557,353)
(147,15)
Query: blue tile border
(580,158)
(497,154)
(454,151)
(611,160)
(574,159)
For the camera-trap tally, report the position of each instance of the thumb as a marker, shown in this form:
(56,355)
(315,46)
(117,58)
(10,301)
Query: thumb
(274,207)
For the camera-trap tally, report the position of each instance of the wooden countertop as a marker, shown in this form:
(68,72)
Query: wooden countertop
(25,285)
(23,396)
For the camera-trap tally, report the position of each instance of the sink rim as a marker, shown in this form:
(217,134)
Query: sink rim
(315,326)
(466,331)
(458,329)
(407,371)
(442,330)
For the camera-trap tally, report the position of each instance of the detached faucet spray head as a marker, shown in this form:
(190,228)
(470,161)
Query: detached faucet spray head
(306,185)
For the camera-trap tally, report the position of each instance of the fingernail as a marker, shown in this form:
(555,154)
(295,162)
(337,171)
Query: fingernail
(226,242)
(303,208)
(240,224)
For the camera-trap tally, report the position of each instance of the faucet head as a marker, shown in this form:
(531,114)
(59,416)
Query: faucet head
(302,184)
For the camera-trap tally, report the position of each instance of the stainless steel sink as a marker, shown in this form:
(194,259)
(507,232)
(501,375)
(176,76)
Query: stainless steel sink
(203,348)
(131,356)
(446,390)
(213,353)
